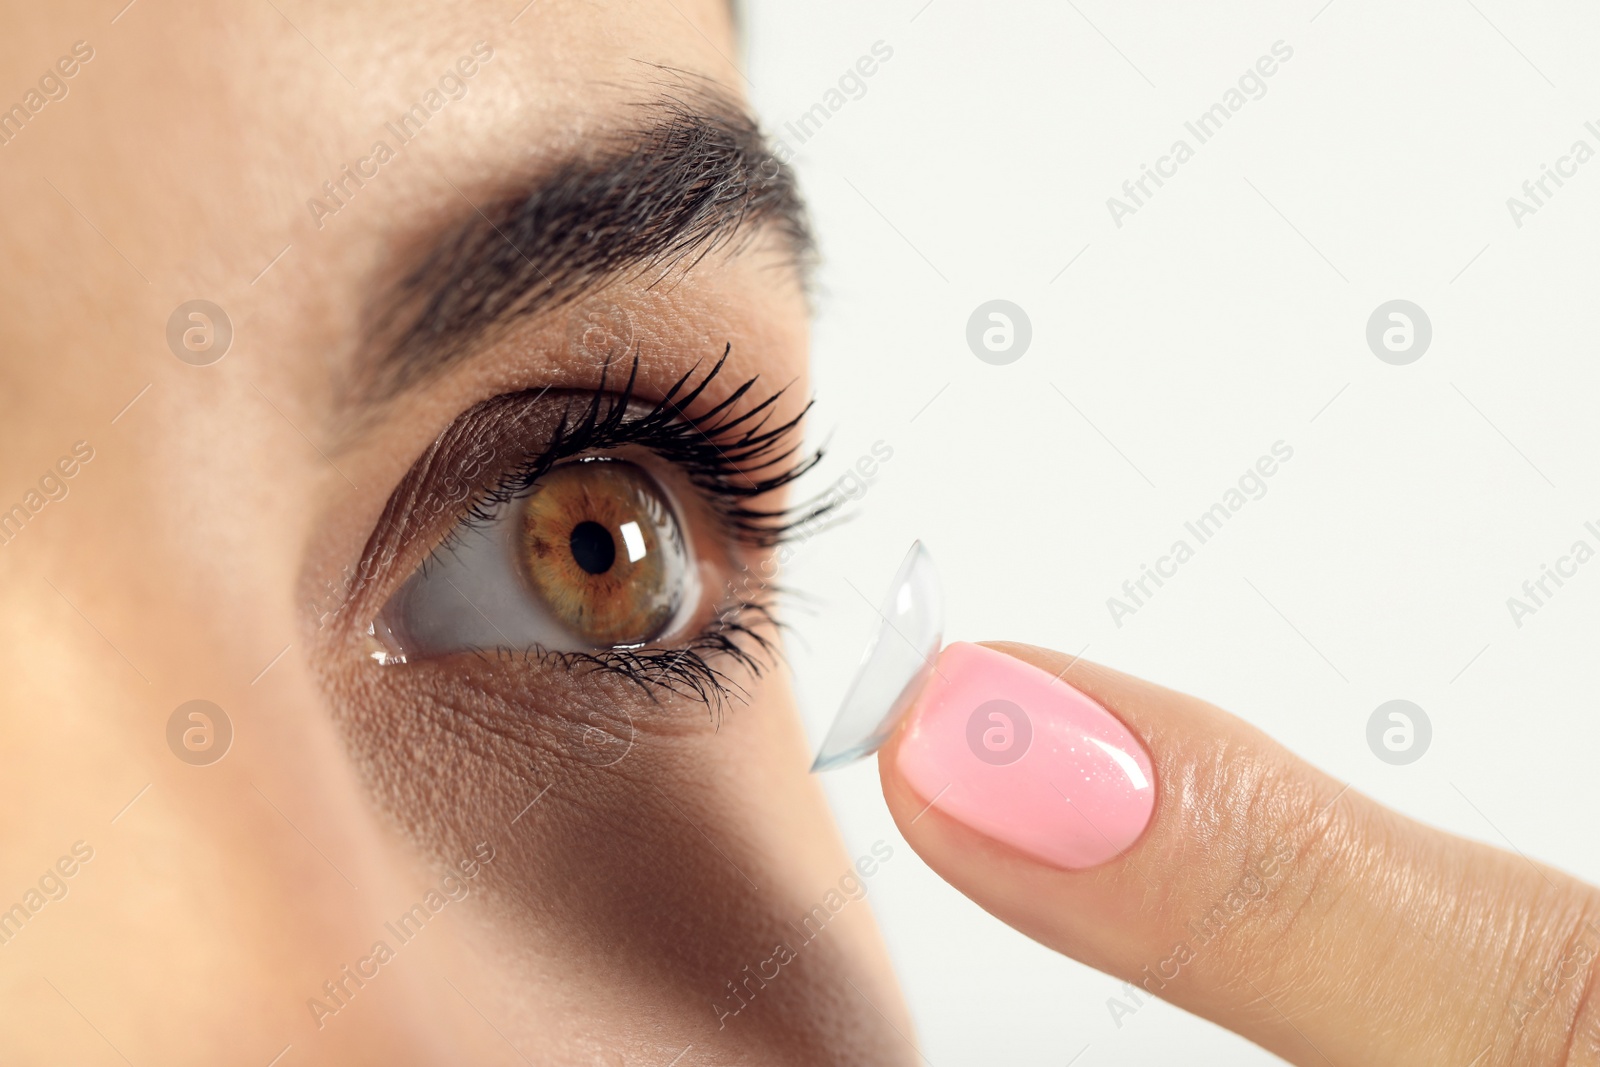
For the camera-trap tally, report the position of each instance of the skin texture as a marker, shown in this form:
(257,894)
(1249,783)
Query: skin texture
(217,520)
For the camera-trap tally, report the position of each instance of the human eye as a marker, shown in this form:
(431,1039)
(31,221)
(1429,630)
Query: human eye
(599,530)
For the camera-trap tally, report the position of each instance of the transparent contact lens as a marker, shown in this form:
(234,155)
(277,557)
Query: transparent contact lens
(895,666)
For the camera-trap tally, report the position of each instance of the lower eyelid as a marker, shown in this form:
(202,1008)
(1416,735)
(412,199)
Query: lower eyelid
(445,742)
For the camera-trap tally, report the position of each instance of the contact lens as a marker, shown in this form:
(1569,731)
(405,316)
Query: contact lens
(894,667)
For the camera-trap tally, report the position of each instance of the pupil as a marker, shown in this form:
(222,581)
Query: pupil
(592,547)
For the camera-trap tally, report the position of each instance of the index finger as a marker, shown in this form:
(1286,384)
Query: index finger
(1159,839)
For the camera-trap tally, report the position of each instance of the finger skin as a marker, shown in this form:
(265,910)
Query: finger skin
(1268,897)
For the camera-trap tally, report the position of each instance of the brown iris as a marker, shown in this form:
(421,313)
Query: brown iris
(602,548)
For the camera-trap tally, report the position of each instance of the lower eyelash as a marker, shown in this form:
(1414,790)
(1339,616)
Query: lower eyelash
(744,633)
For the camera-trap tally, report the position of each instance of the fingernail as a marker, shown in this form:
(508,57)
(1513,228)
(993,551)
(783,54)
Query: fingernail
(1025,759)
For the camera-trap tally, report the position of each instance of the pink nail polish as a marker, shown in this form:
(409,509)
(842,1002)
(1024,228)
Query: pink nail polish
(1026,759)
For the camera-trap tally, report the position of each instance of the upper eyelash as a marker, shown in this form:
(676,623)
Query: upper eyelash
(751,459)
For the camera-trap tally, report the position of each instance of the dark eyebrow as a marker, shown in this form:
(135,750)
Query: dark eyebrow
(693,175)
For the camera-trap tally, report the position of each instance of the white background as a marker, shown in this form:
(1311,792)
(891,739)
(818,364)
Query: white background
(1226,315)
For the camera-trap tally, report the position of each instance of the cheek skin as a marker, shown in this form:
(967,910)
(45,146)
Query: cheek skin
(662,851)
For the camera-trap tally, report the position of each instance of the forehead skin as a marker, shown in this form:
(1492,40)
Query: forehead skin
(184,560)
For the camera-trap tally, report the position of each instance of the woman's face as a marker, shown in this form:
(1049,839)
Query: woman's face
(442,238)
